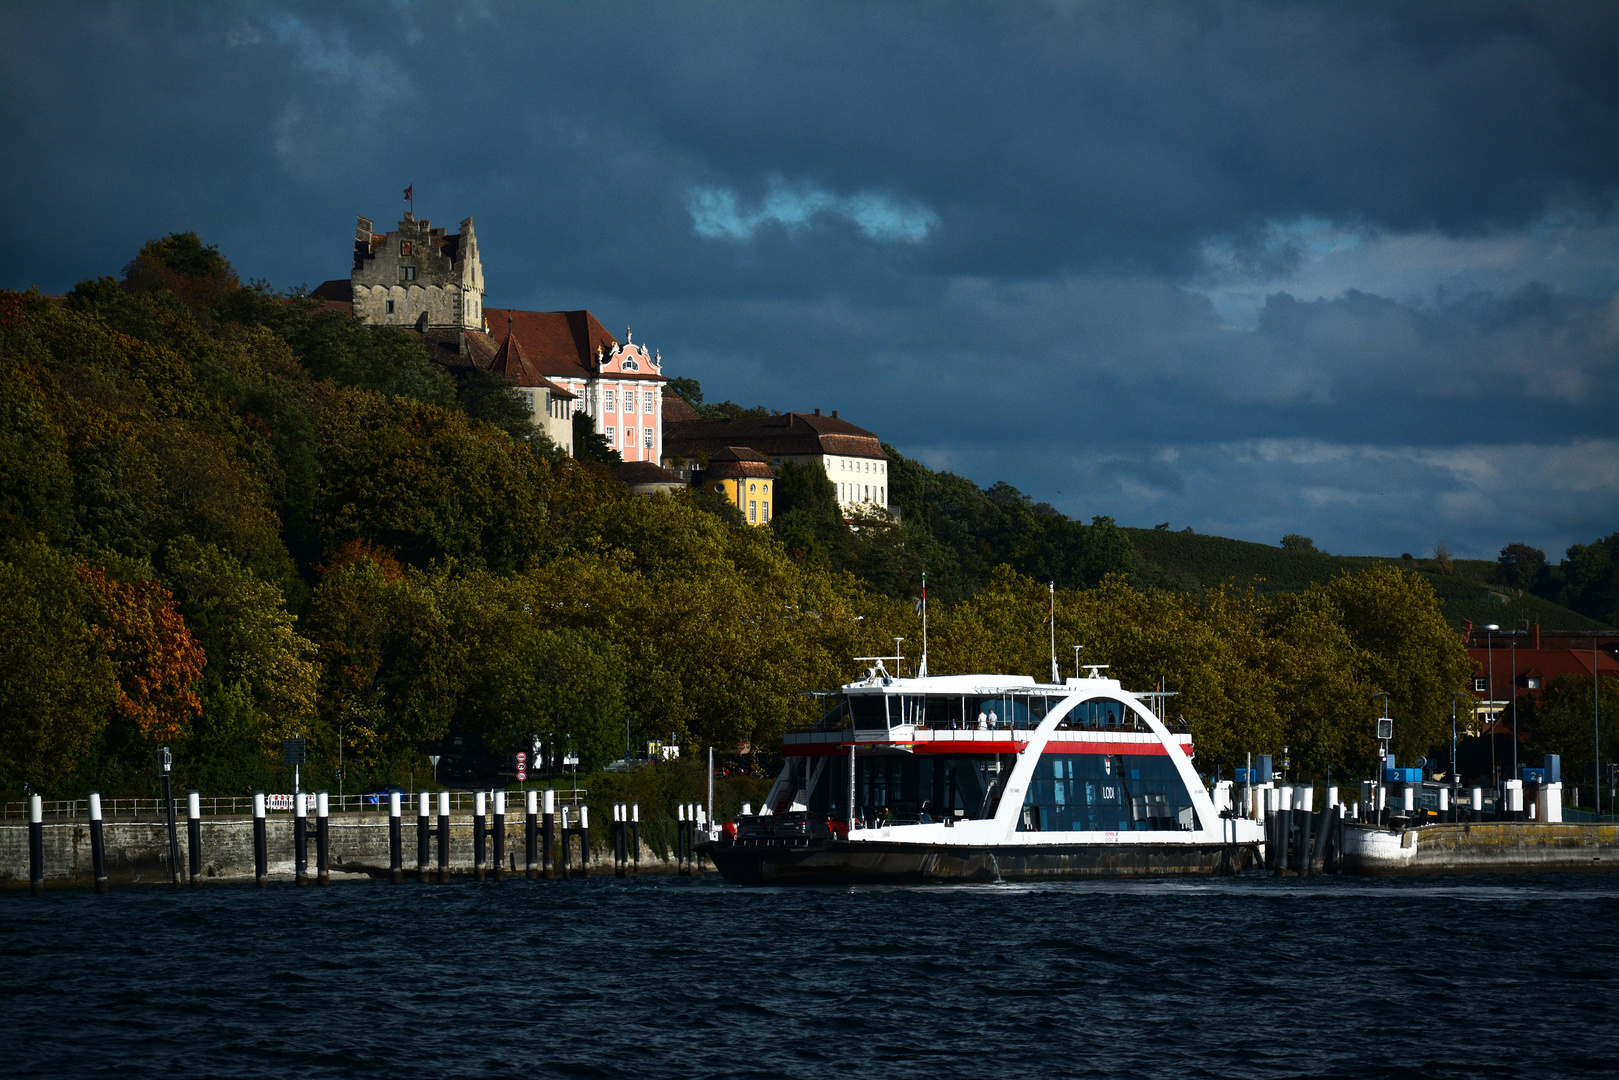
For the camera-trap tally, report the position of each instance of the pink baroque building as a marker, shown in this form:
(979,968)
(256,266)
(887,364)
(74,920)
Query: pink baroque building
(561,363)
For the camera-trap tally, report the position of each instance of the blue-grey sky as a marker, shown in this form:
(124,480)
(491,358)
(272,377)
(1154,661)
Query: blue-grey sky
(1350,271)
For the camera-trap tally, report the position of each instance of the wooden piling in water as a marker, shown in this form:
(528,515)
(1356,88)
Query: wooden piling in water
(500,836)
(323,841)
(635,837)
(423,836)
(548,850)
(98,844)
(300,840)
(444,837)
(261,842)
(531,852)
(584,841)
(478,831)
(36,845)
(194,837)
(396,839)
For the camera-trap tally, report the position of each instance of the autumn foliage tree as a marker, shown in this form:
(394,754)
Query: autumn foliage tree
(156,660)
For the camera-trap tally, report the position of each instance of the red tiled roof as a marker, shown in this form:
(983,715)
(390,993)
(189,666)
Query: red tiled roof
(557,343)
(786,434)
(675,409)
(733,461)
(512,361)
(1545,663)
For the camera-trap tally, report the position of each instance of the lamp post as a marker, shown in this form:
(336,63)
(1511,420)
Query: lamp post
(1385,732)
(1515,772)
(1489,646)
(1455,777)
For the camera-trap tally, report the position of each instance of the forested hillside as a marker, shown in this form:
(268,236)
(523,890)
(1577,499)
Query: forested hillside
(228,516)
(1471,589)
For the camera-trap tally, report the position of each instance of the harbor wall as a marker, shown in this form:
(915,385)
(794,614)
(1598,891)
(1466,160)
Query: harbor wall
(1497,847)
(137,851)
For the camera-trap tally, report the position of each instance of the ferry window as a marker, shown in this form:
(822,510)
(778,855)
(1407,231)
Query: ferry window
(1100,713)
(942,712)
(869,712)
(1106,793)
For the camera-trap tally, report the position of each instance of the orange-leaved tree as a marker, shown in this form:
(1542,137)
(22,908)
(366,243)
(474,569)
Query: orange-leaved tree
(158,662)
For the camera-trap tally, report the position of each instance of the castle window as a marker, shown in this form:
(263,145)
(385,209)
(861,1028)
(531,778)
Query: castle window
(407,273)
(404,247)
(390,307)
(528,399)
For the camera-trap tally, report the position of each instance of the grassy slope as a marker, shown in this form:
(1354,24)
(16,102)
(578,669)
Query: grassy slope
(1187,562)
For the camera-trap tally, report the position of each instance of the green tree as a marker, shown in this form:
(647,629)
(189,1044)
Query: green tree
(57,687)
(590,444)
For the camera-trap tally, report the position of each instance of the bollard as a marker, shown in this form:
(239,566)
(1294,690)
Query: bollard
(500,836)
(1382,805)
(443,837)
(1444,804)
(98,844)
(300,840)
(531,853)
(423,836)
(699,834)
(479,805)
(396,840)
(323,850)
(1332,795)
(261,842)
(194,837)
(1478,804)
(36,845)
(584,841)
(566,842)
(635,837)
(1408,800)
(548,848)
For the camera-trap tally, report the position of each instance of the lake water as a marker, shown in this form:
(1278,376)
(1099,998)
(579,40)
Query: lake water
(668,977)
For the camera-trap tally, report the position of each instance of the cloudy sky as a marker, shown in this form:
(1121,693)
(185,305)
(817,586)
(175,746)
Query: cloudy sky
(1350,271)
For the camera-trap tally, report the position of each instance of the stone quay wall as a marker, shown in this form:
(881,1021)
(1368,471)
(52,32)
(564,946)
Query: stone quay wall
(138,851)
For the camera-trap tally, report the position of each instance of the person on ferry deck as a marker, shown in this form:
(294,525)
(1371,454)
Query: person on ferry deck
(983,721)
(994,721)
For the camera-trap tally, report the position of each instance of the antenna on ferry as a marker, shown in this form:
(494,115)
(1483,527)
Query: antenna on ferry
(922,671)
(1076,660)
(1051,617)
(899,661)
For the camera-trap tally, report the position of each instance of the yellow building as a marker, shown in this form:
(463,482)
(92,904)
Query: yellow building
(744,478)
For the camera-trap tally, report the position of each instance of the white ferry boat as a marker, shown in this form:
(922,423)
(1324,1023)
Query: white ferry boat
(984,778)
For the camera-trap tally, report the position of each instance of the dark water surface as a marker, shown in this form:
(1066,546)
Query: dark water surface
(1244,978)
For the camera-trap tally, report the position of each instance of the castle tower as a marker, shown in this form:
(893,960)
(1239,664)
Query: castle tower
(418,276)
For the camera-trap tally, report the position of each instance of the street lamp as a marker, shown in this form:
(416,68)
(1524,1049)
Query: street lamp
(1455,778)
(1489,645)
(1385,732)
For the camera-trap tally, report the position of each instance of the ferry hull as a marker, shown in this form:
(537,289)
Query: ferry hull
(836,862)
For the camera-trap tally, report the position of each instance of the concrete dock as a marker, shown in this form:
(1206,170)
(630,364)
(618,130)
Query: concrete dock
(1496,847)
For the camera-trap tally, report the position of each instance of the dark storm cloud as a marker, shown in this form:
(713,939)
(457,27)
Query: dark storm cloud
(1236,265)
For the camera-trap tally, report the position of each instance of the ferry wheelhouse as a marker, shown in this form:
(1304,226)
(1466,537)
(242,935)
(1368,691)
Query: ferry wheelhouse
(984,777)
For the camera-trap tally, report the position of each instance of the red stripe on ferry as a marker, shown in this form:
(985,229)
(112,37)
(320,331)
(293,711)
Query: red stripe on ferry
(1055,747)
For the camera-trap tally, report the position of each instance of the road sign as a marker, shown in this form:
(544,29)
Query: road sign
(522,774)
(522,759)
(570,758)
(292,751)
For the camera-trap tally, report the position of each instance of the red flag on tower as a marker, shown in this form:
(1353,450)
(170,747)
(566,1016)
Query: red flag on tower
(408,196)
